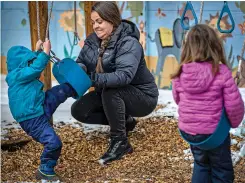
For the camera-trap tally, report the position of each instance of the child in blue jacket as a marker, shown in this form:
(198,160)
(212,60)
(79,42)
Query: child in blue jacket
(31,106)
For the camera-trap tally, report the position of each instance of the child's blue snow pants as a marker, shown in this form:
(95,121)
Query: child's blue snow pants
(39,128)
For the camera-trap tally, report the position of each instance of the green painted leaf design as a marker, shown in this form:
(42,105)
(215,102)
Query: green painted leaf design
(66,52)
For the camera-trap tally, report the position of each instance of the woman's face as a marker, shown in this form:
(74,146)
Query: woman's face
(102,28)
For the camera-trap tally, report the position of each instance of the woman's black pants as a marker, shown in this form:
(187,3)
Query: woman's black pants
(112,106)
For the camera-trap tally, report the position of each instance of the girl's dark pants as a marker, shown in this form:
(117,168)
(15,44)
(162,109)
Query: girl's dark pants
(211,166)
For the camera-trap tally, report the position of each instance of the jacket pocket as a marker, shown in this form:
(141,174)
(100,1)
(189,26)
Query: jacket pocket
(23,106)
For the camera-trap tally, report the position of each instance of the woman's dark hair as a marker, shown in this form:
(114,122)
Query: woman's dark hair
(109,12)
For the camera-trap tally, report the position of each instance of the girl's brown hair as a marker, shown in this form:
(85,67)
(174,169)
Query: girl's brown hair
(202,44)
(109,12)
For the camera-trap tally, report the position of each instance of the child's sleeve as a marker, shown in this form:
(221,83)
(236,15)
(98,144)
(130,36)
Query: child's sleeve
(233,102)
(27,74)
(174,90)
(37,52)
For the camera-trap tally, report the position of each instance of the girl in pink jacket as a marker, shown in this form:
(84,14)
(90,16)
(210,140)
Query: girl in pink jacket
(202,86)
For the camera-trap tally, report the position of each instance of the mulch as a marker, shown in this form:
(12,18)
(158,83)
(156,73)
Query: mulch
(158,156)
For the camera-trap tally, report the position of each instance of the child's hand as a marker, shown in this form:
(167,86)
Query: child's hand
(47,46)
(38,45)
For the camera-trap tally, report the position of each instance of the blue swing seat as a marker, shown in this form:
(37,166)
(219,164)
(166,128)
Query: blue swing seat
(217,138)
(68,71)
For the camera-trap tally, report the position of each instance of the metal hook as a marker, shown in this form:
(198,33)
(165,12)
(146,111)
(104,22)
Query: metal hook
(53,58)
(76,38)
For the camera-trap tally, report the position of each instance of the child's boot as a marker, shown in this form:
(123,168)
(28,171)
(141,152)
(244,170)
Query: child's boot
(46,171)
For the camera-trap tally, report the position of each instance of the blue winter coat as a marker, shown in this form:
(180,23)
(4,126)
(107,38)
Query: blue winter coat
(25,92)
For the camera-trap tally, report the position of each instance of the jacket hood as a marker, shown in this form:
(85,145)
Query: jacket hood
(126,28)
(196,77)
(18,57)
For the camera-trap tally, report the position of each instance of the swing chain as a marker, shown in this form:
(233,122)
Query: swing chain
(243,48)
(53,58)
(52,54)
(201,12)
(76,37)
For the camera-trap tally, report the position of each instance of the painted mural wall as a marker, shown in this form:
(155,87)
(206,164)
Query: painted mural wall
(163,18)
(159,24)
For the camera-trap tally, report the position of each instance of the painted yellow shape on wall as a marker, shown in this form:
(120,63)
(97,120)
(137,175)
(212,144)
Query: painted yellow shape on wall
(67,22)
(170,66)
(166,36)
(151,62)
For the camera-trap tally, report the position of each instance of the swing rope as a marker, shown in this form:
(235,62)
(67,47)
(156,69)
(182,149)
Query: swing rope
(66,70)
(238,74)
(243,48)
(53,56)
(50,14)
(38,21)
(201,12)
(76,37)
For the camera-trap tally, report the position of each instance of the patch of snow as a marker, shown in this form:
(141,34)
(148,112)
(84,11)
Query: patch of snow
(233,141)
(187,151)
(242,151)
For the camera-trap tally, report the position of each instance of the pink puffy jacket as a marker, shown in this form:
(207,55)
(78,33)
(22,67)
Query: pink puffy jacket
(201,97)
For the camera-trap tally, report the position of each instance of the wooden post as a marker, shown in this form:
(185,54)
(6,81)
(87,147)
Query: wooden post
(87,9)
(88,26)
(43,19)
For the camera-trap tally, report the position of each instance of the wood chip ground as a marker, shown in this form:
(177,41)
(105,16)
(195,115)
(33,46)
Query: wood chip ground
(158,156)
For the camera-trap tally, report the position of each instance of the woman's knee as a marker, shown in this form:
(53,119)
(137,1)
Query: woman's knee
(77,112)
